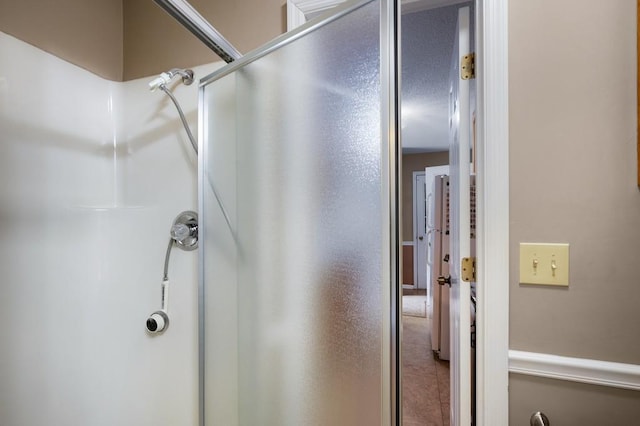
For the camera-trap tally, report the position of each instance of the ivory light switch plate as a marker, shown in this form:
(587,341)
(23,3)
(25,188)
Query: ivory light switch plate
(544,264)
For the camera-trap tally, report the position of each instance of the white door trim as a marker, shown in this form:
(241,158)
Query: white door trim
(429,176)
(298,10)
(460,139)
(415,228)
(492,221)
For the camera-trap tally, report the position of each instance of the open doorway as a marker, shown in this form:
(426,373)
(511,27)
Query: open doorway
(428,36)
(493,189)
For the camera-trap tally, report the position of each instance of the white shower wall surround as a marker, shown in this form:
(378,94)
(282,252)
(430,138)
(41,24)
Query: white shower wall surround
(92,173)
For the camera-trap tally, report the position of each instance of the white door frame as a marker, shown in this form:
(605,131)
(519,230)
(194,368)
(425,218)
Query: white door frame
(415,231)
(460,140)
(429,176)
(492,192)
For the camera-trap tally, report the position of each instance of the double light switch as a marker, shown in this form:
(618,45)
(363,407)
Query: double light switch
(544,264)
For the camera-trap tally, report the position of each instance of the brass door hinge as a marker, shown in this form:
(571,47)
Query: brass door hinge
(468,66)
(468,269)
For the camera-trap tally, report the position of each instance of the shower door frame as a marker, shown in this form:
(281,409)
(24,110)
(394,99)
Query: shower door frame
(389,117)
(492,330)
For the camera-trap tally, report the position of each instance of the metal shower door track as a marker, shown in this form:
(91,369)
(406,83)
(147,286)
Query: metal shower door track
(189,18)
(284,39)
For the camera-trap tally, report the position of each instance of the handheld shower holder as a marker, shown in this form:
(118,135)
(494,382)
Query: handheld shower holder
(165,78)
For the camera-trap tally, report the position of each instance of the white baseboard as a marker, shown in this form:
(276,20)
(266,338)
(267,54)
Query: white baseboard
(595,372)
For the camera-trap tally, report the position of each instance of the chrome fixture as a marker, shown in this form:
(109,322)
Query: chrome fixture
(166,77)
(539,419)
(186,15)
(184,231)
(184,235)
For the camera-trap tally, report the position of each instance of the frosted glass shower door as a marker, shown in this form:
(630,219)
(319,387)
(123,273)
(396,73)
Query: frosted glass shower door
(298,228)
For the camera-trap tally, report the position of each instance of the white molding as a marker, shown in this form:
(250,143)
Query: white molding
(298,10)
(492,321)
(581,370)
(295,16)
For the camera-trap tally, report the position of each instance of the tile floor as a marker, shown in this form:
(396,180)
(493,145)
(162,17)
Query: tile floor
(425,388)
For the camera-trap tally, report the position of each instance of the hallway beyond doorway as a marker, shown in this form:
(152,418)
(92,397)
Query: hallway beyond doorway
(425,379)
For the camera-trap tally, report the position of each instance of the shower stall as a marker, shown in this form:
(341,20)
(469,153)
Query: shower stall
(92,175)
(287,314)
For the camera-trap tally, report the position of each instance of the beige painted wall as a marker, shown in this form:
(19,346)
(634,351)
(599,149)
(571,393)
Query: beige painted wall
(415,163)
(571,404)
(129,39)
(154,42)
(85,33)
(573,174)
(572,67)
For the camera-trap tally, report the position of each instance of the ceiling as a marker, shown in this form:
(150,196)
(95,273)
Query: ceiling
(428,34)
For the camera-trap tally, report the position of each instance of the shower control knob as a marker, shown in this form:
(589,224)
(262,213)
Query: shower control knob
(157,322)
(184,230)
(180,232)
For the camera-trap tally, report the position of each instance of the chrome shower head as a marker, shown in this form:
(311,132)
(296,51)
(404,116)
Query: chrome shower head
(166,77)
